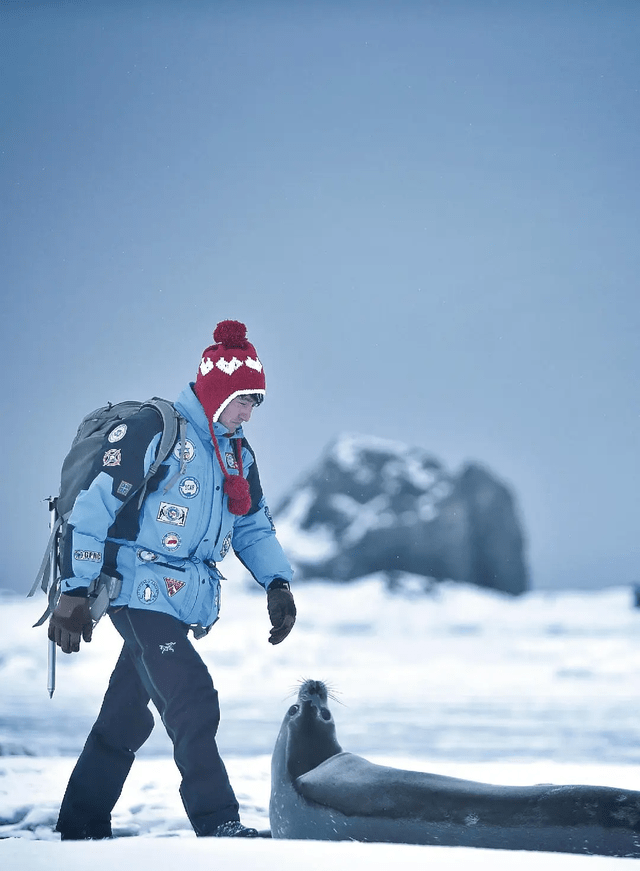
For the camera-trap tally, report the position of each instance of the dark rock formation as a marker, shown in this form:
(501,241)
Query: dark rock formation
(372,505)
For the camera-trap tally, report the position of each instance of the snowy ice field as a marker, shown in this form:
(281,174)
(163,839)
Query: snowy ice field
(471,683)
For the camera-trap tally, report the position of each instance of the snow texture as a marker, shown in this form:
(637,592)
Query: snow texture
(465,682)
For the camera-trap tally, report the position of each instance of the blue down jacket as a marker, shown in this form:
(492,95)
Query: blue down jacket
(166,552)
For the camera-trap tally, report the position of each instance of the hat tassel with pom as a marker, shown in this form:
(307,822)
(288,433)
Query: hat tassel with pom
(236,487)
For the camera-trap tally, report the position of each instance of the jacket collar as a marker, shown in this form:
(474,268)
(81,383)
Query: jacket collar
(189,405)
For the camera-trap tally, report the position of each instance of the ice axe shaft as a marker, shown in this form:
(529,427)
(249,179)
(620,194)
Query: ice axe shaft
(51,669)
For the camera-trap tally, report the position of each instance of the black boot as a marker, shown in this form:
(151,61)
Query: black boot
(233,829)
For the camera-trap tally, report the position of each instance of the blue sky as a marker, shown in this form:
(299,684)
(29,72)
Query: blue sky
(425,212)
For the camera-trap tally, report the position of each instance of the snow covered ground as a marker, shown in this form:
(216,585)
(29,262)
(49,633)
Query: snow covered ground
(465,682)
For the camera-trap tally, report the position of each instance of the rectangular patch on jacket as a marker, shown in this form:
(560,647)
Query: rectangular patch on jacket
(176,515)
(92,555)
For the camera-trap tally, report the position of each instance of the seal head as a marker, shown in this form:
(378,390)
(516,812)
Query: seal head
(308,733)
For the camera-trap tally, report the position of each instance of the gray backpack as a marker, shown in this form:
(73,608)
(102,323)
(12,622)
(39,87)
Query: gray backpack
(75,469)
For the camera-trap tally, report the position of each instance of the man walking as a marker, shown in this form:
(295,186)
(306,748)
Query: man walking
(205,498)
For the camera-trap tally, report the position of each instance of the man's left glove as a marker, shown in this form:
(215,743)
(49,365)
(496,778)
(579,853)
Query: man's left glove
(70,619)
(282,611)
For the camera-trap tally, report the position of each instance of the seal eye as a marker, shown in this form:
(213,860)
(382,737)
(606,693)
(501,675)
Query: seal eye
(325,713)
(293,710)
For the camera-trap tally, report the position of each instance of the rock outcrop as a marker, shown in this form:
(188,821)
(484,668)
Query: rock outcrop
(372,505)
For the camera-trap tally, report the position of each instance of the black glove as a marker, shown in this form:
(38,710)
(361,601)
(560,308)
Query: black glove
(282,611)
(70,620)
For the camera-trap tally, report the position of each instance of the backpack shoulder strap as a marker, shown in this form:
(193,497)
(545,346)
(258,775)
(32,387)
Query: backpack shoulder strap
(170,423)
(173,426)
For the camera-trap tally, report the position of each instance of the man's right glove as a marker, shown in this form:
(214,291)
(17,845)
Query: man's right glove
(282,611)
(70,619)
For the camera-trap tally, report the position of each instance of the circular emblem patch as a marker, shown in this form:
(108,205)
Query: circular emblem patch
(171,541)
(189,488)
(118,433)
(148,592)
(189,450)
(147,556)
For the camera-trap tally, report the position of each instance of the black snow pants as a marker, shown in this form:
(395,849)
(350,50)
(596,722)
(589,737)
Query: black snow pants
(157,663)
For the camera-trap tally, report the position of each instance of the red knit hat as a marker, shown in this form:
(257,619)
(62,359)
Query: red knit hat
(228,369)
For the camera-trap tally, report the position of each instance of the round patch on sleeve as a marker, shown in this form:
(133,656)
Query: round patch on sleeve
(118,433)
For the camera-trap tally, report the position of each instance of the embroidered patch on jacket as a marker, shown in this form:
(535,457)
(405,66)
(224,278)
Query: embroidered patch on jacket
(226,544)
(123,488)
(173,586)
(148,592)
(112,457)
(189,487)
(175,514)
(232,463)
(92,555)
(171,541)
(189,450)
(147,556)
(118,433)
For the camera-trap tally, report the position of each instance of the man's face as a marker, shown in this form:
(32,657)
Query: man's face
(237,412)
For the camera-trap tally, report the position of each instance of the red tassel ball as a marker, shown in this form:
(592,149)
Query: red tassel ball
(231,334)
(237,489)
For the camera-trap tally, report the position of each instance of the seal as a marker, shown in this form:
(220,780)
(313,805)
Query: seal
(321,792)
